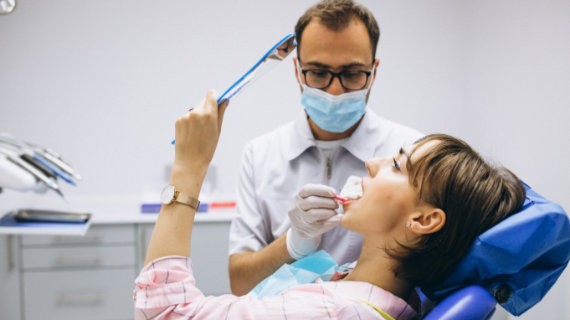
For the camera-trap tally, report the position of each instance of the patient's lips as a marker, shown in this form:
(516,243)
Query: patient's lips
(352,188)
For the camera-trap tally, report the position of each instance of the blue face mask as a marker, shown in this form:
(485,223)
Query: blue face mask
(334,113)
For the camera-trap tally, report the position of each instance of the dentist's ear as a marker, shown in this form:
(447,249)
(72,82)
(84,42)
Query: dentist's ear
(376,64)
(296,67)
(297,75)
(431,220)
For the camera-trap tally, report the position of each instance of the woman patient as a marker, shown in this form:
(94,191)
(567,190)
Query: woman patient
(419,214)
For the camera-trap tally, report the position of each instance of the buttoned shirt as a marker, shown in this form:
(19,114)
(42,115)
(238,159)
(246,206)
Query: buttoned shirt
(276,165)
(166,289)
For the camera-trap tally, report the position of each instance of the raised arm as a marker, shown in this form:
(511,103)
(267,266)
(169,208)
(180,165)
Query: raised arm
(197,135)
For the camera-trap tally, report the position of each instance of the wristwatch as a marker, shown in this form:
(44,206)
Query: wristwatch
(170,195)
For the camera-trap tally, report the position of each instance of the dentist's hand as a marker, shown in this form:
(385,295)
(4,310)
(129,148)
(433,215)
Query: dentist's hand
(312,215)
(197,135)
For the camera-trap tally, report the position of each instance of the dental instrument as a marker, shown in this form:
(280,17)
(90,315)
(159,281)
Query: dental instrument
(53,168)
(30,160)
(41,157)
(57,160)
(14,177)
(48,181)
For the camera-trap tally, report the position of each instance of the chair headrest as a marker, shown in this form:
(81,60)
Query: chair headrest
(519,259)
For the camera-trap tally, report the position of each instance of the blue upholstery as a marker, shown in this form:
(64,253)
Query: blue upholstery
(518,260)
(469,303)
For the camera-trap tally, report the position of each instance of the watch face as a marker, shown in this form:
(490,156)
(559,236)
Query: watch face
(167,195)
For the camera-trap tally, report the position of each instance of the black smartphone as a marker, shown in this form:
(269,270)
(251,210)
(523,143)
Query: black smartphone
(35,215)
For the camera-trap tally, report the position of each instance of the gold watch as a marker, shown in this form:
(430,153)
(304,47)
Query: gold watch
(170,195)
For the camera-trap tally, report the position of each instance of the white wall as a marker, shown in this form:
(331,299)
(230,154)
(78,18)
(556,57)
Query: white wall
(103,82)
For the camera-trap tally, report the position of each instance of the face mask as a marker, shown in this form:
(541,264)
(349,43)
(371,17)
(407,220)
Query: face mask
(334,113)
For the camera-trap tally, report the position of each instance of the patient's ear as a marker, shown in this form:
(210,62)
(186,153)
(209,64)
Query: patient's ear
(429,220)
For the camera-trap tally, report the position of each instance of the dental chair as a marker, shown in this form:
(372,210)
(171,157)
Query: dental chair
(514,264)
(470,303)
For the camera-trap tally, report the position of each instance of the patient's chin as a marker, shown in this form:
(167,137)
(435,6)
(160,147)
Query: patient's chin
(346,218)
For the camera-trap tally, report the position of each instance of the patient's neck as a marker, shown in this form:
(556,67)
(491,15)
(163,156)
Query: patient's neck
(376,267)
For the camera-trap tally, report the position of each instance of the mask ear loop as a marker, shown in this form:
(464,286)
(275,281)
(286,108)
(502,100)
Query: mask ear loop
(372,75)
(299,72)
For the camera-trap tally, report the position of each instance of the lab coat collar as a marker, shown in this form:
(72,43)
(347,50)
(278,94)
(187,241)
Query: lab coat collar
(357,144)
(301,138)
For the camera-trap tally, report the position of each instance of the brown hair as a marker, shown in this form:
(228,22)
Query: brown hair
(336,15)
(474,196)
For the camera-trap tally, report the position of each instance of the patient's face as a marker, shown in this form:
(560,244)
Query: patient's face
(388,197)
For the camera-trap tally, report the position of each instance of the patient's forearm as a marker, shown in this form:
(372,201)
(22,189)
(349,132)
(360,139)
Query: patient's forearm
(247,269)
(173,229)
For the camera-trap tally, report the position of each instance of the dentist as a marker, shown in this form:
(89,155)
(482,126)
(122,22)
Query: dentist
(288,177)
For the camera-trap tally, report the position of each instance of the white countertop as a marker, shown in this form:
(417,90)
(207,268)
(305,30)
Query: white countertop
(104,209)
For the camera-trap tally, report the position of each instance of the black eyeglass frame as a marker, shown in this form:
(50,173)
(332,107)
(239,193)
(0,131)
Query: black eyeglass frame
(335,75)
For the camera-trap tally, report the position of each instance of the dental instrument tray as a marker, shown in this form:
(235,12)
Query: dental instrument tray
(35,215)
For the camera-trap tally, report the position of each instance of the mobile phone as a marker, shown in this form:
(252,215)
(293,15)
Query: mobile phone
(35,215)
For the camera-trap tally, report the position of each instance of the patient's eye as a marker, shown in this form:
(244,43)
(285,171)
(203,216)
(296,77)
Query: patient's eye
(396,165)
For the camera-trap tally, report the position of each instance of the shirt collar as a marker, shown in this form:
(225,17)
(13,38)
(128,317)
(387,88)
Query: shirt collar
(301,138)
(358,143)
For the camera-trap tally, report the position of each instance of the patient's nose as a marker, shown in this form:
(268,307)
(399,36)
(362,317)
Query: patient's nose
(373,166)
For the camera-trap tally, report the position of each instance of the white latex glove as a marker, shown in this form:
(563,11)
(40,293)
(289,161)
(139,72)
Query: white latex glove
(312,215)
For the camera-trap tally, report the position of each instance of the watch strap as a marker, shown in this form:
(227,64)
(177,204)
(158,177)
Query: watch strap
(187,200)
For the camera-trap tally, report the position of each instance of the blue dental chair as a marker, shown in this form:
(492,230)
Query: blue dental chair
(514,264)
(470,303)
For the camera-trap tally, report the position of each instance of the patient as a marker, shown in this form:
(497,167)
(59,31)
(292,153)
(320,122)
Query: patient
(419,214)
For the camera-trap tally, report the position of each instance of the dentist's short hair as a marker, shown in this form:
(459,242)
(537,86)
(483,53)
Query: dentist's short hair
(336,15)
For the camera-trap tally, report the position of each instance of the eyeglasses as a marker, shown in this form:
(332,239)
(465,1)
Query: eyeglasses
(349,79)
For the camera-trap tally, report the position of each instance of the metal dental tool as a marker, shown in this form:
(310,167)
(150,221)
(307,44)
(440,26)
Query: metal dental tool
(268,61)
(24,164)
(48,181)
(51,159)
(14,177)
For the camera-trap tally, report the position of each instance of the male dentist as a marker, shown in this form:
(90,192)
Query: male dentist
(288,177)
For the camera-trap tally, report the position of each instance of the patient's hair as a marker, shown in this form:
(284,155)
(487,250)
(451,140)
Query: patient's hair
(474,196)
(336,15)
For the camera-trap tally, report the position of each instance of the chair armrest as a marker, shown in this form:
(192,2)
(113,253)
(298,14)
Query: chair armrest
(469,303)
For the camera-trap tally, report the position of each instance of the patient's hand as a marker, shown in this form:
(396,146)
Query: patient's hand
(197,135)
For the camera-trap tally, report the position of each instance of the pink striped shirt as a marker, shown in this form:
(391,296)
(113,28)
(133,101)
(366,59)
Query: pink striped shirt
(165,289)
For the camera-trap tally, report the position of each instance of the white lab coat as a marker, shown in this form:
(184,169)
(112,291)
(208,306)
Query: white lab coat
(277,164)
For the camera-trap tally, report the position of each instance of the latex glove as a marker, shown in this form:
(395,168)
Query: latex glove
(312,215)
